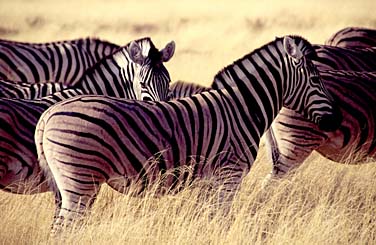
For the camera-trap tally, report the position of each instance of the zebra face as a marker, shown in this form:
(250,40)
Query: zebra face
(151,79)
(306,93)
(154,82)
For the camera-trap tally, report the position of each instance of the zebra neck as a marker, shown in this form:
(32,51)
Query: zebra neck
(257,113)
(259,78)
(112,76)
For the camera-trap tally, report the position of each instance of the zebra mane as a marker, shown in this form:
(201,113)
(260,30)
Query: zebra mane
(308,51)
(146,41)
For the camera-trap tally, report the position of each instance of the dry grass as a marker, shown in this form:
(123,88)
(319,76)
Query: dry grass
(322,203)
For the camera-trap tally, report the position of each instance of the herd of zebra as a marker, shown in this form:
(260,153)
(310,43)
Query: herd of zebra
(76,114)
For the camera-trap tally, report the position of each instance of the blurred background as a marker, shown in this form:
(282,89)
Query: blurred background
(209,34)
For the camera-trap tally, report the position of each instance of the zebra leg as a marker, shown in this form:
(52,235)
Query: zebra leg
(280,164)
(73,206)
(288,147)
(228,180)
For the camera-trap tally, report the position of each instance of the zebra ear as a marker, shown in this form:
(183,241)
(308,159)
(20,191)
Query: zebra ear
(135,53)
(168,51)
(291,48)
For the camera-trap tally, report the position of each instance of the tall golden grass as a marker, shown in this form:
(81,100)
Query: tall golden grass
(320,203)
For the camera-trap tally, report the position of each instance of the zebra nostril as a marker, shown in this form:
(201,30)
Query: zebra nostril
(331,122)
(147,99)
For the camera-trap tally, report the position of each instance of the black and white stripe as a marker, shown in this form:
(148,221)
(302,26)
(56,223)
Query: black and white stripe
(349,59)
(353,37)
(292,138)
(181,89)
(21,90)
(117,75)
(90,140)
(63,61)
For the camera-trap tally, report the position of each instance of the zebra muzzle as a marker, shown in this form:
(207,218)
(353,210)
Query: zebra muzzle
(330,122)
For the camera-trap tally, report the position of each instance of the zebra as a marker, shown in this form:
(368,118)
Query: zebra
(337,58)
(180,89)
(63,61)
(89,140)
(353,37)
(297,141)
(19,170)
(292,138)
(21,90)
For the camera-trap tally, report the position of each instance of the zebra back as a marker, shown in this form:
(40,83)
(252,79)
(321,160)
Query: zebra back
(337,58)
(62,61)
(21,90)
(181,89)
(353,37)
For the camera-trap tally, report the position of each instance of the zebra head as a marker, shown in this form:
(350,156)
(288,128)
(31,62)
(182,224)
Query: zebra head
(304,91)
(151,79)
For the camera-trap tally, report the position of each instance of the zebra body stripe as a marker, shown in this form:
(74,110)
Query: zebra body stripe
(349,59)
(21,90)
(63,61)
(181,89)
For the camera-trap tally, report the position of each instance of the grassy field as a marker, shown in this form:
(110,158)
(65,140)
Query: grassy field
(322,203)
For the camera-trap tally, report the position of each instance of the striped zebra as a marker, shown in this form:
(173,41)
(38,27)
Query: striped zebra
(353,37)
(21,90)
(181,89)
(118,75)
(64,61)
(349,59)
(89,140)
(292,138)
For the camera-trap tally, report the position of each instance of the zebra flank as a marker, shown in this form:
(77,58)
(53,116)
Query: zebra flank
(117,75)
(89,140)
(62,61)
(21,90)
(292,138)
(353,37)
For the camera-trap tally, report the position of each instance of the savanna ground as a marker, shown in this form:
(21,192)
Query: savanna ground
(322,203)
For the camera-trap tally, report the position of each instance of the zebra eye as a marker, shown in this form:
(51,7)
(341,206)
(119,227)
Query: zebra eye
(315,79)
